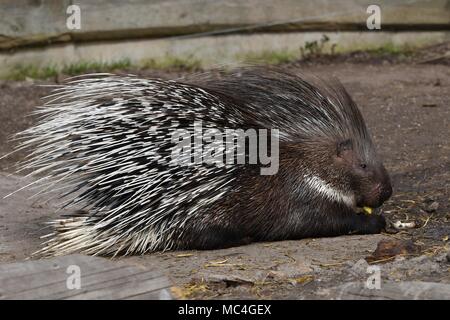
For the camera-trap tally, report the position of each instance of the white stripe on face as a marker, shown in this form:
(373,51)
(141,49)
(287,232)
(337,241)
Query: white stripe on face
(328,191)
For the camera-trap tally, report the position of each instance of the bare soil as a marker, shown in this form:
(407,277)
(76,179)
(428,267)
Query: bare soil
(407,109)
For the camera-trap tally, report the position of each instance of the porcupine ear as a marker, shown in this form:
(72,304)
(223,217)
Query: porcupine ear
(344,148)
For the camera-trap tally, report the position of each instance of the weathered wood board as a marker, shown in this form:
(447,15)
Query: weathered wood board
(44,22)
(99,278)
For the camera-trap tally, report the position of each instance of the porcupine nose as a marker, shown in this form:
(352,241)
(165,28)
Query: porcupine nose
(384,187)
(386,192)
(381,192)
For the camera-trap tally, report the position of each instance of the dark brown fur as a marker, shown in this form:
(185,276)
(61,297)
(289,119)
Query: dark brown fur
(267,208)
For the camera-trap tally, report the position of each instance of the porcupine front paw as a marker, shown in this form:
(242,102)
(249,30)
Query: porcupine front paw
(369,224)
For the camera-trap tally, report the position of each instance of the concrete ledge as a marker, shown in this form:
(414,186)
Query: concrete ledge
(210,51)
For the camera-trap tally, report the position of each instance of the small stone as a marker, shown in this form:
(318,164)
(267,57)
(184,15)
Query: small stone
(359,268)
(432,207)
(292,270)
(387,249)
(400,258)
(399,225)
(448,256)
(228,280)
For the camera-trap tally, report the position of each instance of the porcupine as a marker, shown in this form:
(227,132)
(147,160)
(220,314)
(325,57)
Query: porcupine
(107,138)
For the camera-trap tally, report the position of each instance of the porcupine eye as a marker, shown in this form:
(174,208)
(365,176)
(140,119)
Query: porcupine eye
(347,157)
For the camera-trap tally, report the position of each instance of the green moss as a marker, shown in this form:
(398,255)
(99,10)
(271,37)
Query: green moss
(84,67)
(174,63)
(269,57)
(391,49)
(310,50)
(22,72)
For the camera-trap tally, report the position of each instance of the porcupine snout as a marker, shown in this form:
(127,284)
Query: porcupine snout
(379,191)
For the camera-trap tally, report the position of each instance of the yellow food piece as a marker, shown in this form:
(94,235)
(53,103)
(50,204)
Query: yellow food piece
(367,210)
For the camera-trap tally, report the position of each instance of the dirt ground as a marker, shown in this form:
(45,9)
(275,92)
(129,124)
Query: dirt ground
(407,109)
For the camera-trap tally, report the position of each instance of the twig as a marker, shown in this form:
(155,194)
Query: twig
(426,222)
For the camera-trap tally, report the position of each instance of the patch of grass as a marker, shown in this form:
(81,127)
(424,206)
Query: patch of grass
(311,49)
(22,72)
(270,57)
(316,48)
(84,67)
(391,49)
(174,63)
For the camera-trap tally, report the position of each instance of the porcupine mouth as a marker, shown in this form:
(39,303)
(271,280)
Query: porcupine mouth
(364,210)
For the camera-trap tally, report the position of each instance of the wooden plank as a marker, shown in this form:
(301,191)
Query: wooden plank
(53,264)
(35,274)
(114,19)
(99,279)
(57,288)
(163,294)
(124,291)
(107,280)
